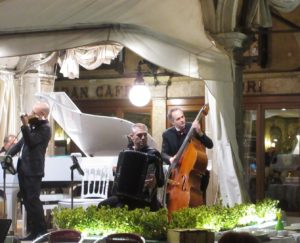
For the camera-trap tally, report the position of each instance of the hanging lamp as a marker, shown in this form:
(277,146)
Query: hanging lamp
(139,94)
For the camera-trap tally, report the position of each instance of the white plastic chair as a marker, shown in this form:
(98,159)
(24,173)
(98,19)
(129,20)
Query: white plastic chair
(94,188)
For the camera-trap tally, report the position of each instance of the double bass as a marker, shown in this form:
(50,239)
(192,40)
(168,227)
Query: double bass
(190,157)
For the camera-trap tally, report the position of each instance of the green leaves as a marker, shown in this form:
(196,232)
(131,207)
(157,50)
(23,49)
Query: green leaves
(103,221)
(154,225)
(217,217)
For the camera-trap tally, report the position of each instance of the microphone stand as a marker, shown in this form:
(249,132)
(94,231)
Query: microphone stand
(6,166)
(72,183)
(73,167)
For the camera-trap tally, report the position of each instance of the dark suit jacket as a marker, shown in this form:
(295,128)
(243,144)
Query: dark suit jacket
(172,141)
(35,140)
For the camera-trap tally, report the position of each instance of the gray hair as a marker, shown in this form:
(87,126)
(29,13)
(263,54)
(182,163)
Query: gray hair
(139,125)
(170,116)
(8,137)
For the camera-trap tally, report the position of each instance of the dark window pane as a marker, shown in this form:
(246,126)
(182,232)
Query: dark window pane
(139,118)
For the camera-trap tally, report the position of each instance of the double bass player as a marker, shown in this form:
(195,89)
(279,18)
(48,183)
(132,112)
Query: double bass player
(174,137)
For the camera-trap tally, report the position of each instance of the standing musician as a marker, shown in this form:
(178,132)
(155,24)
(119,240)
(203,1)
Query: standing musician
(174,136)
(154,176)
(8,142)
(32,146)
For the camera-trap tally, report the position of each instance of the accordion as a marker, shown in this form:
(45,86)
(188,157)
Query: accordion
(133,169)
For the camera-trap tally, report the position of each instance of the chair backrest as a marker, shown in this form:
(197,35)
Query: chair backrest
(95,182)
(64,236)
(124,238)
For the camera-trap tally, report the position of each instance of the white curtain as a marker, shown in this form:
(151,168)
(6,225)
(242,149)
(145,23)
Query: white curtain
(90,57)
(220,125)
(7,105)
(168,33)
(260,11)
(284,5)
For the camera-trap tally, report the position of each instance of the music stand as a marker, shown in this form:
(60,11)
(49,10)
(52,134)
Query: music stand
(6,164)
(75,166)
(4,228)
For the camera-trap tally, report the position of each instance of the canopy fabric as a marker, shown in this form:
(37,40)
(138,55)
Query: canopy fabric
(284,6)
(161,29)
(260,11)
(220,127)
(89,57)
(7,105)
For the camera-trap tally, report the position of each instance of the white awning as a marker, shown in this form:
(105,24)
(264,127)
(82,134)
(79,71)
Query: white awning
(156,30)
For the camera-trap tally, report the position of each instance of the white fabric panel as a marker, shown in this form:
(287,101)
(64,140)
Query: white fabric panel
(223,162)
(89,57)
(7,105)
(171,55)
(163,17)
(27,44)
(197,63)
(284,5)
(164,29)
(263,15)
(260,12)
(70,66)
(9,63)
(223,93)
(94,135)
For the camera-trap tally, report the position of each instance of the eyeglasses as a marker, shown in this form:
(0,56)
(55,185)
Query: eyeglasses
(141,135)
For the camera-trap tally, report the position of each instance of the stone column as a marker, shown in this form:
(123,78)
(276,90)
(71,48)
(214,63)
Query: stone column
(159,110)
(36,76)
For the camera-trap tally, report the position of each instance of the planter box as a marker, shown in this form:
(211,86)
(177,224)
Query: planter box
(190,236)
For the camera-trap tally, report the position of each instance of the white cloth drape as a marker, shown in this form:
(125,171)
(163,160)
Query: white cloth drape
(7,105)
(224,153)
(89,57)
(260,12)
(167,33)
(284,5)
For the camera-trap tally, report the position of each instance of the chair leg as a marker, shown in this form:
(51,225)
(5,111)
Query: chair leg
(24,220)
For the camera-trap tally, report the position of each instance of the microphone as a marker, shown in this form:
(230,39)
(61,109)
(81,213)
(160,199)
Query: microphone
(7,164)
(76,165)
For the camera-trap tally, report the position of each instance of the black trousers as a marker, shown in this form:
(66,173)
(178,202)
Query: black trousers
(30,190)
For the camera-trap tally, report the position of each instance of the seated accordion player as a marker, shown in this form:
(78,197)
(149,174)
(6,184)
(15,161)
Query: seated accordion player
(137,175)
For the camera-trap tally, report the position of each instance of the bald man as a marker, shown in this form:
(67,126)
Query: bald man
(36,133)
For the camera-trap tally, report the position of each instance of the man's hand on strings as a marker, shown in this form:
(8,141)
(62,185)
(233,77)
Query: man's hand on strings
(196,125)
(172,159)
